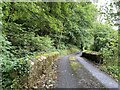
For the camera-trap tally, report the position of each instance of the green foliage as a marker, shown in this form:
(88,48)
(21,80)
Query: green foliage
(13,72)
(12,68)
(106,42)
(104,36)
(41,27)
(112,69)
(4,47)
(73,48)
(63,22)
(42,43)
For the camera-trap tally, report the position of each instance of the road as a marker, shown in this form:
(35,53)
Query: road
(89,76)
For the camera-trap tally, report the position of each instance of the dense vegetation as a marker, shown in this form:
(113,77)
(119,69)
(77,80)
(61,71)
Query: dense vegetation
(29,28)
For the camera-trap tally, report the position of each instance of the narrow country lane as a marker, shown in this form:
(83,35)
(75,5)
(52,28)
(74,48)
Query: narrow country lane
(67,78)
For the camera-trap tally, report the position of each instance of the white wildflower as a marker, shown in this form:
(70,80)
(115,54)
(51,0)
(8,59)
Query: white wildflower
(32,63)
(42,57)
